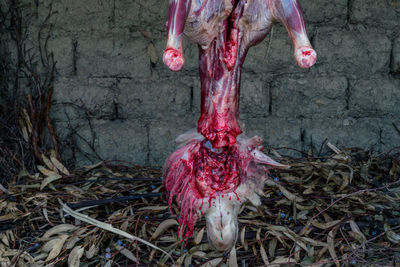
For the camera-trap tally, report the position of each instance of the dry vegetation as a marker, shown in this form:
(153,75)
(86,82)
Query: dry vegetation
(338,210)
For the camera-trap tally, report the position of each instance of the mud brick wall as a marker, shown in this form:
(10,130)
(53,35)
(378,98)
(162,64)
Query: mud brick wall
(113,91)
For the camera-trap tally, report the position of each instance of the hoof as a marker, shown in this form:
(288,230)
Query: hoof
(305,57)
(173,59)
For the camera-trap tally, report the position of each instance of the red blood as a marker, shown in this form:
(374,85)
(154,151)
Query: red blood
(198,171)
(306,53)
(174,59)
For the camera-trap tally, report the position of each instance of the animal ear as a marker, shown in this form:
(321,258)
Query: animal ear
(261,158)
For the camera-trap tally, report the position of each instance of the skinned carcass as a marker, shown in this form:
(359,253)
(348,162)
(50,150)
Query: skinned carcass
(215,170)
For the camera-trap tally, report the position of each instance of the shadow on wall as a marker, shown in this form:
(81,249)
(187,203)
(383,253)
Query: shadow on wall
(114,96)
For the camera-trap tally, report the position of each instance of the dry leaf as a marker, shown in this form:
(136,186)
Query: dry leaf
(61,228)
(49,164)
(188,261)
(392,236)
(271,247)
(179,262)
(331,246)
(49,179)
(154,208)
(360,236)
(4,239)
(92,251)
(152,52)
(48,246)
(45,171)
(282,260)
(264,255)
(57,247)
(232,262)
(163,227)
(109,227)
(325,226)
(213,263)
(59,166)
(199,237)
(25,133)
(127,253)
(242,239)
(75,256)
(290,195)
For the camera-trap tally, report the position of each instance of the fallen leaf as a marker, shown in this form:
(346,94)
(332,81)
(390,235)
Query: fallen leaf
(199,237)
(49,164)
(152,52)
(57,247)
(45,171)
(75,256)
(242,239)
(50,179)
(331,246)
(59,166)
(163,227)
(127,253)
(61,228)
(232,262)
(92,251)
(264,255)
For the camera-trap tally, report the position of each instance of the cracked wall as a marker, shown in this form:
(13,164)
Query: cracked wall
(113,93)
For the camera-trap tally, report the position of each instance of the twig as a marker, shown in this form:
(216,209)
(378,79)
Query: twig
(342,198)
(109,227)
(50,126)
(88,203)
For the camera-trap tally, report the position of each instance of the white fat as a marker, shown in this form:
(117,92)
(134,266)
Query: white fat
(188,137)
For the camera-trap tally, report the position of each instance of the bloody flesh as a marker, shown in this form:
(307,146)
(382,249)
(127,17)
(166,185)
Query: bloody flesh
(215,164)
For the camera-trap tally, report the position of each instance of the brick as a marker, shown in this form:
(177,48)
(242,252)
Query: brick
(142,14)
(389,137)
(327,12)
(78,16)
(117,53)
(274,54)
(297,97)
(353,52)
(62,49)
(153,99)
(94,95)
(254,96)
(116,140)
(386,14)
(346,132)
(282,133)
(375,97)
(162,137)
